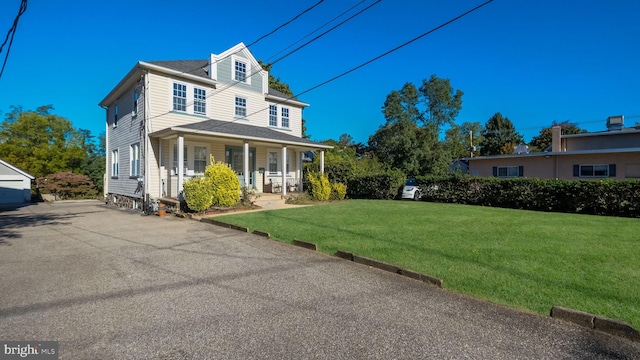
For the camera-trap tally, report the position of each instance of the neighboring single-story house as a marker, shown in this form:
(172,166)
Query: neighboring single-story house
(614,153)
(15,184)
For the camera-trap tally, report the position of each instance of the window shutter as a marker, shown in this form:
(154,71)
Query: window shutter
(495,171)
(576,170)
(521,171)
(612,170)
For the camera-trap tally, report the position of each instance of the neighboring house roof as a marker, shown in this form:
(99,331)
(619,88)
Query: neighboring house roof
(16,169)
(558,153)
(604,133)
(239,131)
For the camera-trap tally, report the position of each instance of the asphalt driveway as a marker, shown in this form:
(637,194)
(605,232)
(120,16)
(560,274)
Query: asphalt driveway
(112,284)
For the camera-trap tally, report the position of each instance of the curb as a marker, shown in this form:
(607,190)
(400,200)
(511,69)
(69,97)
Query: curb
(610,326)
(389,267)
(224,224)
(304,244)
(262,233)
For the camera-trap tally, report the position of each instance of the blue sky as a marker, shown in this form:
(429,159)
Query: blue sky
(533,61)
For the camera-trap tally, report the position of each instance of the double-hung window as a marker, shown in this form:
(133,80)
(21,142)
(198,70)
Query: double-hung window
(199,101)
(134,157)
(179,97)
(199,159)
(285,117)
(175,159)
(240,71)
(273,162)
(241,107)
(273,115)
(114,163)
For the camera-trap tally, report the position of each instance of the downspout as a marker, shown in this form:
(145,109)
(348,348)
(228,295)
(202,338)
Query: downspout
(105,177)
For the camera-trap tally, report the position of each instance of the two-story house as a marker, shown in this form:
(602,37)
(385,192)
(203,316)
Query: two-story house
(165,118)
(614,153)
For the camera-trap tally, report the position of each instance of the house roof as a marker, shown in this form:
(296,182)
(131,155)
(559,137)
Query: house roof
(623,131)
(193,67)
(231,129)
(2,162)
(557,153)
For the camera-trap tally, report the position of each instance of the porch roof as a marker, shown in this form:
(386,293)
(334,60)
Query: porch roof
(234,130)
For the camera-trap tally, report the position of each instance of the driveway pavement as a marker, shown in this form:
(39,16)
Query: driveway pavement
(112,284)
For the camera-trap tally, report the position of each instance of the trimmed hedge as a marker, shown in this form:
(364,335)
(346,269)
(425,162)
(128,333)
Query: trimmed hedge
(385,185)
(599,197)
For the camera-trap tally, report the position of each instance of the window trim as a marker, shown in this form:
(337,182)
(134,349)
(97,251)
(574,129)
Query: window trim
(199,101)
(236,107)
(114,164)
(247,67)
(273,116)
(175,97)
(283,117)
(134,161)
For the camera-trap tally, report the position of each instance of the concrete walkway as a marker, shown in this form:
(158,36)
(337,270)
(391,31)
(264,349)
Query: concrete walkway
(112,284)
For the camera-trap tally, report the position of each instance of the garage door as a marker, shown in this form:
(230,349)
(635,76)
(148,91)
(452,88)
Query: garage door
(11,191)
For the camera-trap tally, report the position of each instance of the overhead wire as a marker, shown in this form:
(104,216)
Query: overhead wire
(11,34)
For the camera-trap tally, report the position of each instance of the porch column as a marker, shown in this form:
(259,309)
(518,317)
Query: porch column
(245,166)
(284,170)
(322,162)
(299,173)
(180,163)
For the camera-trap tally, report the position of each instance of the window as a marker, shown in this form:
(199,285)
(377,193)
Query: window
(285,117)
(199,101)
(595,171)
(273,115)
(240,71)
(114,163)
(241,107)
(136,95)
(273,162)
(199,159)
(175,159)
(508,171)
(134,157)
(179,97)
(115,119)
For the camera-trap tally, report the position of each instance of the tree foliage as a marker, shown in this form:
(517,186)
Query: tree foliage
(42,144)
(460,138)
(409,140)
(67,185)
(542,141)
(499,136)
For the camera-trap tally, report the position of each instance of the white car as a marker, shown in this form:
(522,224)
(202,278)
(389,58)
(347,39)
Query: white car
(411,190)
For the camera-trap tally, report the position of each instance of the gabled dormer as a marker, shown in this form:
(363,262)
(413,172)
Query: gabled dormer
(237,66)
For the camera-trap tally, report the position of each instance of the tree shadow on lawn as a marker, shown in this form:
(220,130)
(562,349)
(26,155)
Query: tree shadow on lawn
(538,279)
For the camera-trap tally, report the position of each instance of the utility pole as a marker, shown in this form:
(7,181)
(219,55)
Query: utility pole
(471,143)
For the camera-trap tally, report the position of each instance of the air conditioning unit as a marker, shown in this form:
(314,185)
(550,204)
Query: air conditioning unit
(615,122)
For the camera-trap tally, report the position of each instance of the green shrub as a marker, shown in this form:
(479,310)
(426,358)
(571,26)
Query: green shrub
(599,197)
(320,187)
(383,185)
(198,194)
(224,184)
(338,191)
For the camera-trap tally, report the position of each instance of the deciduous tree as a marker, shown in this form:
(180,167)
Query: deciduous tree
(542,141)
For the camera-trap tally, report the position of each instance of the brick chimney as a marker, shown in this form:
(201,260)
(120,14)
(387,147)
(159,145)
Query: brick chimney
(556,133)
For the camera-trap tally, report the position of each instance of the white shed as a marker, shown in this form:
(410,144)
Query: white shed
(15,184)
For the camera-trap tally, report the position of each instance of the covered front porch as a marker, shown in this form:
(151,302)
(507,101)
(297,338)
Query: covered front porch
(265,160)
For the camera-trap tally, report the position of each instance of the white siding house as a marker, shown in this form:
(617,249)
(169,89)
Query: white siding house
(165,118)
(15,184)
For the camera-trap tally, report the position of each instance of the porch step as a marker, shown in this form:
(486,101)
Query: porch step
(267,200)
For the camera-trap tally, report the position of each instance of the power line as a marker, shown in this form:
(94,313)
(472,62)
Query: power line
(286,23)
(11,33)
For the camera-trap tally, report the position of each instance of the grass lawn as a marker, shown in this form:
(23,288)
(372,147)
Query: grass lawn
(525,259)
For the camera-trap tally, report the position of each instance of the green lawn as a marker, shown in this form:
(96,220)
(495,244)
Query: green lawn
(525,259)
